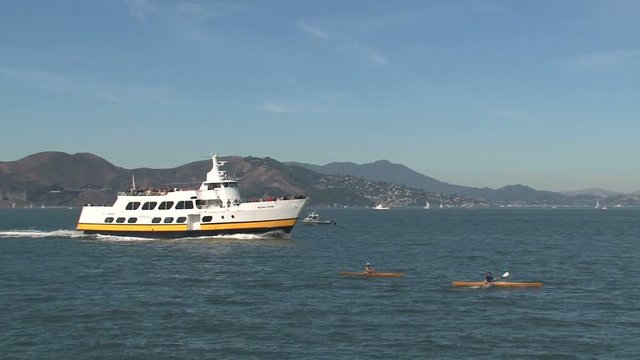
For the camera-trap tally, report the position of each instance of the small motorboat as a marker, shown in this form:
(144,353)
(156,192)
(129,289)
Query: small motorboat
(381,207)
(314,219)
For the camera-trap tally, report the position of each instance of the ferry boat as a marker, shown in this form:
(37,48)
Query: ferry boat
(215,208)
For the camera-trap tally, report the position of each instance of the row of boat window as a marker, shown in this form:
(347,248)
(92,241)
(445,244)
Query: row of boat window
(156,220)
(213,186)
(165,205)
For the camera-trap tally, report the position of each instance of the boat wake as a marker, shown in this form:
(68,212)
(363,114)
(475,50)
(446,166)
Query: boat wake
(234,237)
(41,234)
(101,237)
(274,235)
(74,234)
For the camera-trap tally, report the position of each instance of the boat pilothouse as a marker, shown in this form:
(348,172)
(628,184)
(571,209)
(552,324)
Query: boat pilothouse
(215,208)
(218,190)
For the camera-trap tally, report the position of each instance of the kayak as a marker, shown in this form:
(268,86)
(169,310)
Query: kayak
(374,274)
(495,283)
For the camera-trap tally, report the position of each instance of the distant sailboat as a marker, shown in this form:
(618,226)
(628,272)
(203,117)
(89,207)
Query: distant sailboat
(597,204)
(427,206)
(441,206)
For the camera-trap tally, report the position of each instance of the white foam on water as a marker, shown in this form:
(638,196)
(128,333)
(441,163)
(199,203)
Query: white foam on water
(40,234)
(120,238)
(266,236)
(243,237)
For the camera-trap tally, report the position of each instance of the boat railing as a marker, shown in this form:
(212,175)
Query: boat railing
(216,206)
(154,192)
(273,198)
(150,192)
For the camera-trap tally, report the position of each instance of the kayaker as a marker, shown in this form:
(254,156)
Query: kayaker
(488,278)
(368,269)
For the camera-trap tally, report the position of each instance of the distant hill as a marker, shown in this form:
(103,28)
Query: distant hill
(593,192)
(57,178)
(384,170)
(61,179)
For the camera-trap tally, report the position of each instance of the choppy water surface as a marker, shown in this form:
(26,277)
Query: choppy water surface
(66,295)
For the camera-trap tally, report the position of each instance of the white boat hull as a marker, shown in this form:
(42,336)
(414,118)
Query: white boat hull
(246,218)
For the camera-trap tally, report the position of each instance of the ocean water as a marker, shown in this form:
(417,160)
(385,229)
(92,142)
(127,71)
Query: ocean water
(64,295)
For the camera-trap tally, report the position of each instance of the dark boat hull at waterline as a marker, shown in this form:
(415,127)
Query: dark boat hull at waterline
(187,234)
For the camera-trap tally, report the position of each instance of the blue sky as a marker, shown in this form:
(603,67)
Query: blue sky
(477,93)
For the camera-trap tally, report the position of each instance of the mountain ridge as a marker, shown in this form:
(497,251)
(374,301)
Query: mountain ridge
(594,192)
(348,168)
(57,178)
(61,179)
(384,170)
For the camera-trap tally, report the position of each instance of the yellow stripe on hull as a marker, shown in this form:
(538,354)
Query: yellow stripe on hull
(132,227)
(250,225)
(184,227)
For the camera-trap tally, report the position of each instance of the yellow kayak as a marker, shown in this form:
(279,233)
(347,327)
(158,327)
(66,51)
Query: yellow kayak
(374,274)
(495,283)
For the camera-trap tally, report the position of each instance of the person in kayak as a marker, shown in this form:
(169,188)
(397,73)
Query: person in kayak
(488,278)
(368,269)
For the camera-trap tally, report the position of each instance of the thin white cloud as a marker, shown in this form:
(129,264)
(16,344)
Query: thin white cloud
(270,106)
(364,50)
(40,54)
(53,82)
(186,19)
(377,58)
(373,55)
(108,98)
(509,115)
(313,31)
(291,108)
(49,81)
(610,61)
(158,94)
(140,8)
(321,105)
(199,15)
(39,79)
(304,108)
